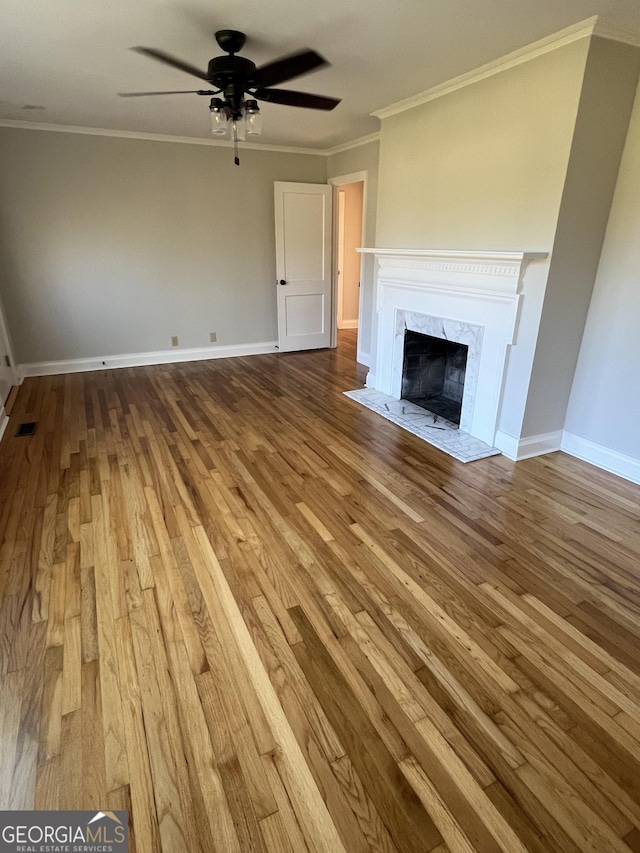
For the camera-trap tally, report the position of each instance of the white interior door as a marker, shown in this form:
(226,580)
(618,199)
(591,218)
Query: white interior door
(303,265)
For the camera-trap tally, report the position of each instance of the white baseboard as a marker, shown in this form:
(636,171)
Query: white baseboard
(4,420)
(524,448)
(507,444)
(135,359)
(370,381)
(598,455)
(611,460)
(363,358)
(348,324)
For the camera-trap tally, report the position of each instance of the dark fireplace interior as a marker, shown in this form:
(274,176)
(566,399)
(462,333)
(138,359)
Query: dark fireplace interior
(433,374)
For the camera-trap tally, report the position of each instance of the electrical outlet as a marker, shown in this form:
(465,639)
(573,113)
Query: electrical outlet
(174,340)
(213,337)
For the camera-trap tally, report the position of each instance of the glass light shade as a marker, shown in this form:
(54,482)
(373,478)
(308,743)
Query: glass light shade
(219,123)
(253,123)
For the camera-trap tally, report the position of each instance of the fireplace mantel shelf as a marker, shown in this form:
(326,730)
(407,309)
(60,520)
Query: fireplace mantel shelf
(506,265)
(455,254)
(496,272)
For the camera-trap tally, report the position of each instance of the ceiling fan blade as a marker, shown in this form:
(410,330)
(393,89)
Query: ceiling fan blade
(289,67)
(296,99)
(161,56)
(175,92)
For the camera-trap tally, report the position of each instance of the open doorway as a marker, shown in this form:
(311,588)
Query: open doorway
(349,240)
(349,206)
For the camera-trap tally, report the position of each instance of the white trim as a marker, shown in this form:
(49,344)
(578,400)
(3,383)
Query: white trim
(136,359)
(525,448)
(7,344)
(602,457)
(607,30)
(348,324)
(562,38)
(459,272)
(351,178)
(507,444)
(461,292)
(363,358)
(492,263)
(4,420)
(21,124)
(355,143)
(155,137)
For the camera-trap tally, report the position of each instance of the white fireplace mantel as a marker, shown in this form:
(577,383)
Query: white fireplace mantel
(464,270)
(464,296)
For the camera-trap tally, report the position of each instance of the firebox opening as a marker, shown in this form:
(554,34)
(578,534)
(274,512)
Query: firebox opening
(433,373)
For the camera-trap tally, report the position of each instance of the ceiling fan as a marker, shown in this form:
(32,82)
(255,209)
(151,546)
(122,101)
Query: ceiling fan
(234,77)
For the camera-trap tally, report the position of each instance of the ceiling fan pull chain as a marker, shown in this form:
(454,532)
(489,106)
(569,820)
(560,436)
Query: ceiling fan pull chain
(236,158)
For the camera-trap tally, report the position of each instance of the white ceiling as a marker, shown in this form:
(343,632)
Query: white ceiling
(72,57)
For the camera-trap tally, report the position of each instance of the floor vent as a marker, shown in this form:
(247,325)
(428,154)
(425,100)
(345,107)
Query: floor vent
(27,429)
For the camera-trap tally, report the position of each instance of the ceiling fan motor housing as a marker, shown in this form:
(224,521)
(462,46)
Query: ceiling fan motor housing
(233,75)
(227,69)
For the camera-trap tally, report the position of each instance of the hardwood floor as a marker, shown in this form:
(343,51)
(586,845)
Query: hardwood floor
(262,618)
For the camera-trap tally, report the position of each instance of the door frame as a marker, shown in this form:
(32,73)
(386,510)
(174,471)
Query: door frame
(5,341)
(336,183)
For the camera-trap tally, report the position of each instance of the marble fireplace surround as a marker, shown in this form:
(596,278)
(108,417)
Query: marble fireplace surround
(449,330)
(468,297)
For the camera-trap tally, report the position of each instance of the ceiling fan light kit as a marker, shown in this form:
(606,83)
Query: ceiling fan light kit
(245,123)
(235,116)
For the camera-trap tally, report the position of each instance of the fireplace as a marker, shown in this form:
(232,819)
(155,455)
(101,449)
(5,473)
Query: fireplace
(433,374)
(474,298)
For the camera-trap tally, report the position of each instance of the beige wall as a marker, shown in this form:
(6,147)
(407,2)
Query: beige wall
(111,245)
(483,167)
(363,158)
(606,102)
(605,400)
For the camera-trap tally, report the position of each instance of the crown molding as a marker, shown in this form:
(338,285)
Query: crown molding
(155,137)
(562,38)
(608,30)
(187,140)
(355,143)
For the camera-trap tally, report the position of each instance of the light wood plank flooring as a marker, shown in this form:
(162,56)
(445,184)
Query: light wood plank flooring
(261,618)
